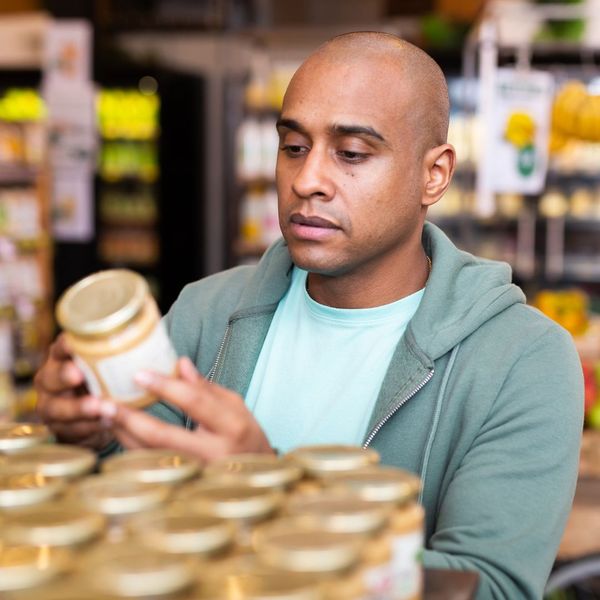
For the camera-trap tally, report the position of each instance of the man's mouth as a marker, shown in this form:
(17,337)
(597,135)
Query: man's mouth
(299,219)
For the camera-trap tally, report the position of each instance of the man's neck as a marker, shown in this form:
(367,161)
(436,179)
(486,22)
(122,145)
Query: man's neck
(368,287)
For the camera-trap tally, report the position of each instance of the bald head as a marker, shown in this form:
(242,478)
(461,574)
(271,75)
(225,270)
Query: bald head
(412,74)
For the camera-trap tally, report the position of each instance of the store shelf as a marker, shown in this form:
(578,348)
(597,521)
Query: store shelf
(16,174)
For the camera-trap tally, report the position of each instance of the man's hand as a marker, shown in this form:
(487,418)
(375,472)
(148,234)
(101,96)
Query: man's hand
(64,403)
(225,426)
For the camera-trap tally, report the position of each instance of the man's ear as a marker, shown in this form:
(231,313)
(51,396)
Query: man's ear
(439,163)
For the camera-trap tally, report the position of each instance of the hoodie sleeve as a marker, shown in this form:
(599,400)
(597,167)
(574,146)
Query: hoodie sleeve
(506,507)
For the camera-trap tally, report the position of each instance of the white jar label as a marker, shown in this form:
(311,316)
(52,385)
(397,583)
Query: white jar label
(91,380)
(379,582)
(407,551)
(155,353)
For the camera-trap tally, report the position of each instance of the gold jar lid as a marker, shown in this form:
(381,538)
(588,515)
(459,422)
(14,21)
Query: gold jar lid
(230,501)
(153,466)
(15,437)
(61,524)
(57,460)
(339,512)
(182,532)
(23,566)
(134,571)
(378,484)
(255,470)
(326,459)
(102,302)
(118,496)
(288,545)
(22,487)
(262,586)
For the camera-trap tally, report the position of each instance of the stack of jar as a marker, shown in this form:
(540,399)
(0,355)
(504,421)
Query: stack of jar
(320,523)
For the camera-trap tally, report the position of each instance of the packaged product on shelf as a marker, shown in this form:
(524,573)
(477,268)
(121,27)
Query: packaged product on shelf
(60,524)
(246,507)
(249,149)
(114,328)
(254,470)
(28,566)
(269,147)
(55,460)
(153,465)
(15,437)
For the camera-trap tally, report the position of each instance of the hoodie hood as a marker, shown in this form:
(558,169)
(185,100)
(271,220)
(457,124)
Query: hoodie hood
(462,293)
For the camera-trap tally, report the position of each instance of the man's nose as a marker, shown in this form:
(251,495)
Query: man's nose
(315,176)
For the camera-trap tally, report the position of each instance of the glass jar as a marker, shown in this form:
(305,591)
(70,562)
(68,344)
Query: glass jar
(62,524)
(128,570)
(56,460)
(343,512)
(177,530)
(119,499)
(24,566)
(114,330)
(254,470)
(21,487)
(152,466)
(322,460)
(398,488)
(244,506)
(15,437)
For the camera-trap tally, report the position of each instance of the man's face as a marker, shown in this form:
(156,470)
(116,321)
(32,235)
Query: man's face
(349,171)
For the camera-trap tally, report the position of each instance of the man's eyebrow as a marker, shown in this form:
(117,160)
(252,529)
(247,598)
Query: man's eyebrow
(357,130)
(290,124)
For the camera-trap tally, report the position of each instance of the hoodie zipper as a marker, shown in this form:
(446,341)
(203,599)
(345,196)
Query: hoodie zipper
(213,369)
(189,424)
(391,413)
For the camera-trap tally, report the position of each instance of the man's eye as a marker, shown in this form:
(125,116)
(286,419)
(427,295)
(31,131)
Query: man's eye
(292,150)
(353,157)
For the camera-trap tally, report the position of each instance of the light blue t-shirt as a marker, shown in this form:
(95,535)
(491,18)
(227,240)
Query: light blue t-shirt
(320,368)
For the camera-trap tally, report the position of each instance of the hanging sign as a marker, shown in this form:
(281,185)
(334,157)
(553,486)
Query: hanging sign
(517,131)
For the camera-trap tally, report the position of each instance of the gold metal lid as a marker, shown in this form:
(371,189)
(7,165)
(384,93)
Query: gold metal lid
(134,571)
(284,544)
(102,302)
(378,484)
(118,496)
(181,531)
(24,566)
(243,577)
(330,458)
(61,524)
(57,460)
(266,585)
(153,466)
(339,512)
(22,487)
(15,437)
(231,501)
(255,470)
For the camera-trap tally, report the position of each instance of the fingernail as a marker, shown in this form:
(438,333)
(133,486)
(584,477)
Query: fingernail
(108,410)
(90,406)
(144,378)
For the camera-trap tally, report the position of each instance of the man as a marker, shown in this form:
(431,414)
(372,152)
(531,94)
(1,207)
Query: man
(368,326)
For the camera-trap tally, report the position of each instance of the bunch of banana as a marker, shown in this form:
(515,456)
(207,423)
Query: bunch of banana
(576,112)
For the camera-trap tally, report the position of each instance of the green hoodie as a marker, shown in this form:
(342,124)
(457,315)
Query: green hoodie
(483,399)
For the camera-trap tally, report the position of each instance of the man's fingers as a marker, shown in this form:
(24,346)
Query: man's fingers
(60,350)
(57,376)
(187,370)
(126,439)
(206,403)
(75,432)
(143,430)
(69,408)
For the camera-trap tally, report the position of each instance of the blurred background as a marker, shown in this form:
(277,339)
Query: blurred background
(140,134)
